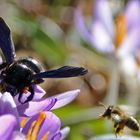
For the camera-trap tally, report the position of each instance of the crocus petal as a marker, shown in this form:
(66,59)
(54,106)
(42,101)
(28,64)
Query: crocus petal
(39,92)
(34,107)
(130,44)
(100,38)
(6,97)
(50,124)
(65,98)
(18,136)
(8,123)
(132,13)
(57,136)
(80,24)
(64,133)
(23,99)
(8,106)
(102,13)
(0,94)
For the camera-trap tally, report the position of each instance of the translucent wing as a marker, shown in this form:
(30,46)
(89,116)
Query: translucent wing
(63,72)
(128,109)
(6,42)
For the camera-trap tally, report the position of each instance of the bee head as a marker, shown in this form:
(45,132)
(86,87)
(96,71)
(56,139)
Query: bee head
(108,112)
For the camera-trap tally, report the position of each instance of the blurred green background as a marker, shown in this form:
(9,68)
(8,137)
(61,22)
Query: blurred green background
(45,30)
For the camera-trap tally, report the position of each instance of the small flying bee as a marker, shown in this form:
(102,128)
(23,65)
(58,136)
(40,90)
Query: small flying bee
(120,119)
(18,75)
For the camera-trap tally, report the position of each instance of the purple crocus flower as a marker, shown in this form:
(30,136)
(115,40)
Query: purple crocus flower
(41,125)
(109,36)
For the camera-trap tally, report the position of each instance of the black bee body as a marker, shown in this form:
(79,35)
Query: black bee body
(18,75)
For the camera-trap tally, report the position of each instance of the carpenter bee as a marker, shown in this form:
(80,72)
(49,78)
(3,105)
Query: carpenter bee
(120,119)
(17,75)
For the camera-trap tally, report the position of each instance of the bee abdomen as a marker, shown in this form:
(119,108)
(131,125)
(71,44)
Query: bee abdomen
(132,124)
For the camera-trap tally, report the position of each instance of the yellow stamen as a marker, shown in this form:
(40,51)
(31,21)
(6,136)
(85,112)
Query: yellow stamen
(120,30)
(45,136)
(40,119)
(23,122)
(30,130)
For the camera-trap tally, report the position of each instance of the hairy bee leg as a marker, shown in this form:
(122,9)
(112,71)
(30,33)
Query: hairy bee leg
(3,65)
(115,125)
(30,97)
(119,129)
(19,97)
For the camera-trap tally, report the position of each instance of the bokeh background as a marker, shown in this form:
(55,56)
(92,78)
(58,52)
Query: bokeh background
(48,31)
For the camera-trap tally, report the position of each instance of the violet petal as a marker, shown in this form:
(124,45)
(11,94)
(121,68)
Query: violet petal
(8,106)
(39,92)
(80,24)
(130,44)
(8,123)
(102,13)
(34,107)
(18,136)
(65,98)
(132,14)
(51,124)
(64,133)
(100,38)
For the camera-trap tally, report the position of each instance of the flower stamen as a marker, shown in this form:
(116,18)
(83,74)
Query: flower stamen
(34,128)
(45,136)
(23,122)
(120,30)
(29,134)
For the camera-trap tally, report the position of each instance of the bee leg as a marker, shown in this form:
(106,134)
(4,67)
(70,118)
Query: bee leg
(3,65)
(115,125)
(19,97)
(119,129)
(30,97)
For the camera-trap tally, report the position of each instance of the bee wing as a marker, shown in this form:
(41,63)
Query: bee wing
(130,110)
(6,42)
(63,72)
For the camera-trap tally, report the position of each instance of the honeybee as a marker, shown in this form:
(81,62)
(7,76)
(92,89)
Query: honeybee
(120,119)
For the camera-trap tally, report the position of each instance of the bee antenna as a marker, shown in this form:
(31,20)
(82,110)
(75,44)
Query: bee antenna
(101,104)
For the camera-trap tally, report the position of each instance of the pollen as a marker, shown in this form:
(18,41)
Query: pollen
(26,89)
(45,136)
(23,122)
(35,126)
(29,134)
(120,30)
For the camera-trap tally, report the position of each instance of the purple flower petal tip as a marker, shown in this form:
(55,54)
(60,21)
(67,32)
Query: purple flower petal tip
(64,133)
(65,98)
